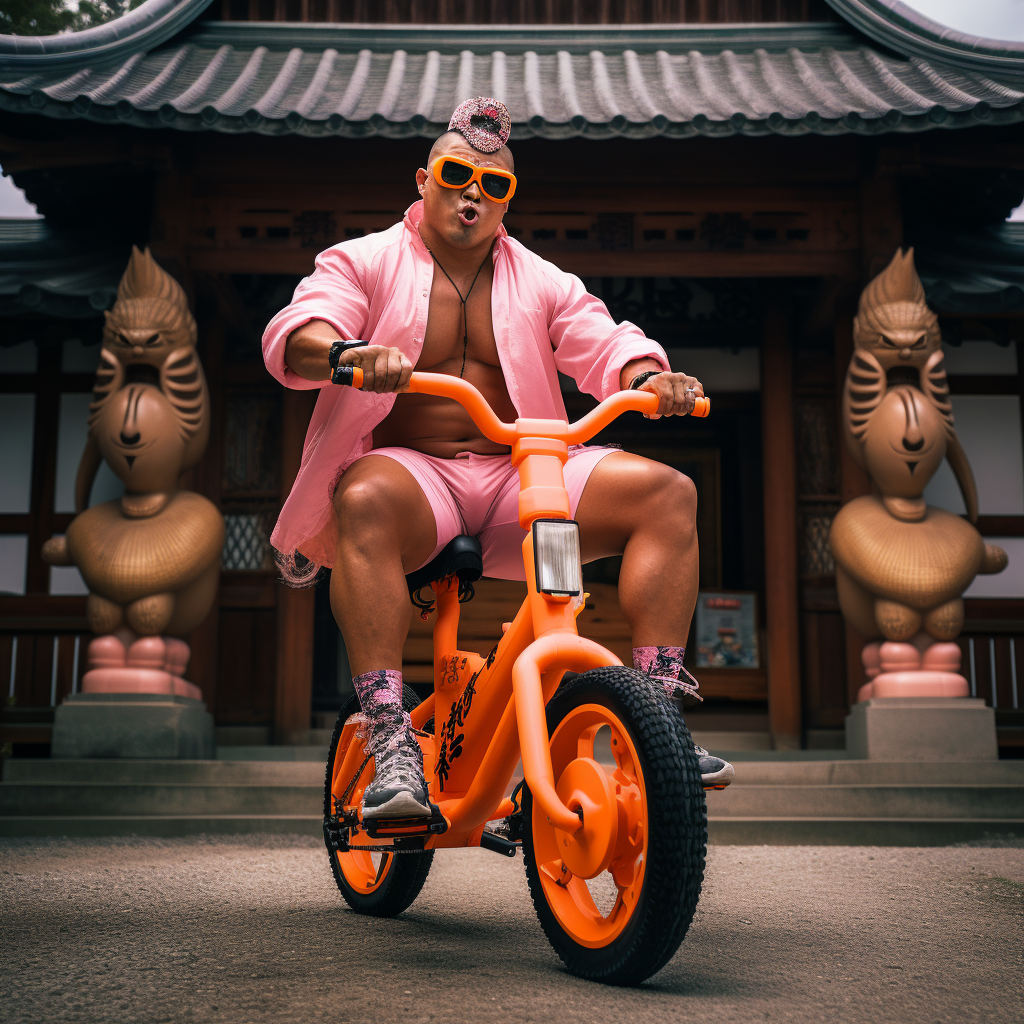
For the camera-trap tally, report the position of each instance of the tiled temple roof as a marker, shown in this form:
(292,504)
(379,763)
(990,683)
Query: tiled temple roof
(46,272)
(558,82)
(971,270)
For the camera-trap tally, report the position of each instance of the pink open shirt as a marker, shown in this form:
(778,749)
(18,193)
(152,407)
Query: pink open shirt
(377,289)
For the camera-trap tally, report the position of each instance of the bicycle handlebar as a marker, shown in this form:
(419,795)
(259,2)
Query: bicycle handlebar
(444,385)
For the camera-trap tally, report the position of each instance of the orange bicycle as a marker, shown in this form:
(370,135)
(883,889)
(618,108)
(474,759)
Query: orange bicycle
(610,815)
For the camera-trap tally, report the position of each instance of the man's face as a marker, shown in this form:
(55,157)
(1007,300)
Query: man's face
(464,217)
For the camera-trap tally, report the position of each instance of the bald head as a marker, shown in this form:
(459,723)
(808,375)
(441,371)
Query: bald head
(455,142)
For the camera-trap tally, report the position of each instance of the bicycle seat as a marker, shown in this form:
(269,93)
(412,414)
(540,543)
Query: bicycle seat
(461,556)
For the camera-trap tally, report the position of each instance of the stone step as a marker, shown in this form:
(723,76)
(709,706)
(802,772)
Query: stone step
(840,801)
(884,801)
(117,771)
(721,831)
(300,771)
(270,798)
(879,773)
(159,800)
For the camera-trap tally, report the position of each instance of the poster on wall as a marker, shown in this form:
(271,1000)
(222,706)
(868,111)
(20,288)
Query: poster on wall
(726,630)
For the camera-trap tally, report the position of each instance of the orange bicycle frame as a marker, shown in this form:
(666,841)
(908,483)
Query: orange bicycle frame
(489,712)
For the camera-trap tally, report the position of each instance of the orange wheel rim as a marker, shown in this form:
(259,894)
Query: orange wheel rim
(594,910)
(363,870)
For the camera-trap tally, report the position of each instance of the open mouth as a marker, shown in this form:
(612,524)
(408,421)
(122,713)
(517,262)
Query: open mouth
(469,215)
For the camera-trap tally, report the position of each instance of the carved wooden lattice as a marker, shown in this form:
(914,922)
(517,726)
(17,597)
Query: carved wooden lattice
(815,554)
(600,222)
(247,539)
(252,446)
(817,447)
(817,437)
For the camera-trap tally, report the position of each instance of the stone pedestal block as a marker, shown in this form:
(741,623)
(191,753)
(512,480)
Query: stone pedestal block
(922,729)
(133,725)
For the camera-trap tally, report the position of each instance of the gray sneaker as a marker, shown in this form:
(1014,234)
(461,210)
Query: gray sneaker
(398,789)
(715,772)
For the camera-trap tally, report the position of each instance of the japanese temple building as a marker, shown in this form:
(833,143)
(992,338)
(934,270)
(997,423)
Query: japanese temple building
(728,185)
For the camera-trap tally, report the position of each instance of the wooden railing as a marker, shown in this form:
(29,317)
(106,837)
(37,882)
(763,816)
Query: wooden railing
(43,642)
(992,646)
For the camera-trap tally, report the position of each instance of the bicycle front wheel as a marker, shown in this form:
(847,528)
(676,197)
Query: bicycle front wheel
(616,904)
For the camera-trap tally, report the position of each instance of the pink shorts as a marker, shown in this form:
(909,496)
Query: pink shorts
(479,495)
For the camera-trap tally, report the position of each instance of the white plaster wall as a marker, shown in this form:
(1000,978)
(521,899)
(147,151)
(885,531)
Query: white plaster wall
(989,427)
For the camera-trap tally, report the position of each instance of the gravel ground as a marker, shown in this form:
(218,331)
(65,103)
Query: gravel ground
(253,929)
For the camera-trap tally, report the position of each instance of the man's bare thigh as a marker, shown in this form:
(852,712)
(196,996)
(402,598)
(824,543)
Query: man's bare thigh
(626,492)
(378,497)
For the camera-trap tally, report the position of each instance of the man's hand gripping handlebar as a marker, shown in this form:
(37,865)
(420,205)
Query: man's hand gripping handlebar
(443,385)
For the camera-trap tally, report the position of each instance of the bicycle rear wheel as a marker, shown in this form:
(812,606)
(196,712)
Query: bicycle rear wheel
(379,884)
(616,906)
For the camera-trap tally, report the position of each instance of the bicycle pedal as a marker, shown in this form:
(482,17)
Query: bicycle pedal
(381,828)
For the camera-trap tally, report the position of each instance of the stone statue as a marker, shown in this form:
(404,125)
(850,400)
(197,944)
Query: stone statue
(902,565)
(151,559)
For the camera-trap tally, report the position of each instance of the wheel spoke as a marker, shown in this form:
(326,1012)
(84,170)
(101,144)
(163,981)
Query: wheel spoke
(385,859)
(557,872)
(585,742)
(627,899)
(623,757)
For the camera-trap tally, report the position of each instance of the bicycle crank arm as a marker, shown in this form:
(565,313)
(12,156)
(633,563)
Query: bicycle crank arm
(499,844)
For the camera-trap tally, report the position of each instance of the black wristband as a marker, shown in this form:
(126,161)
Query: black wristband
(642,378)
(341,346)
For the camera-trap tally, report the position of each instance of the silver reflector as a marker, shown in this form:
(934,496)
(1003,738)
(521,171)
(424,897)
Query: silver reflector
(556,554)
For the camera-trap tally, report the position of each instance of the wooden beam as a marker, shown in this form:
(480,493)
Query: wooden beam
(780,528)
(881,218)
(853,481)
(205,478)
(628,263)
(293,694)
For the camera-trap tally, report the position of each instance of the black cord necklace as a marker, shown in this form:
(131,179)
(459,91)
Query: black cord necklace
(465,317)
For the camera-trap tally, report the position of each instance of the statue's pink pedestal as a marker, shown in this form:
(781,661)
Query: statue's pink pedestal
(134,703)
(149,664)
(917,707)
(920,684)
(922,668)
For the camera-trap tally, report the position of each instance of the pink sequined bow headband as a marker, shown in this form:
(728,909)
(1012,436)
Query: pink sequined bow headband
(483,122)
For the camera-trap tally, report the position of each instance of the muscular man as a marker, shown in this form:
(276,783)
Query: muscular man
(388,478)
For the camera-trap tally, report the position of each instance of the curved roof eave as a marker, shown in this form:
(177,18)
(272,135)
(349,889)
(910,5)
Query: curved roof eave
(900,28)
(282,79)
(149,25)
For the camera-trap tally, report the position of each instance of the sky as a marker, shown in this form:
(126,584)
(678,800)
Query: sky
(996,19)
(13,202)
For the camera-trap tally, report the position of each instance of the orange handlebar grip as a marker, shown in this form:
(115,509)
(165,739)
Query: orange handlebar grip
(701,407)
(347,376)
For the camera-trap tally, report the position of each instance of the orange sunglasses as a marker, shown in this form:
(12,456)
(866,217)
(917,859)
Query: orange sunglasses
(453,172)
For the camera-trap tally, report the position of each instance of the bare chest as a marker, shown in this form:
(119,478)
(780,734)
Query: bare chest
(451,331)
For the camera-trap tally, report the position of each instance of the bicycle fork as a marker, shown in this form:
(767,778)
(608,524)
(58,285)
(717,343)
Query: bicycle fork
(535,677)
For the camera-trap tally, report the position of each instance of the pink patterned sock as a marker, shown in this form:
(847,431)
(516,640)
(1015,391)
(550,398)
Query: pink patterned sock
(665,665)
(380,697)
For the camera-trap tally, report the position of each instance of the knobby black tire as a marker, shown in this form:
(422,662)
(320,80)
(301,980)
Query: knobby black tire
(407,872)
(677,824)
